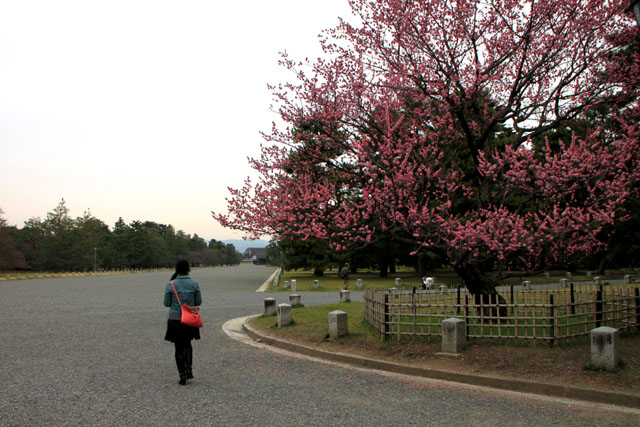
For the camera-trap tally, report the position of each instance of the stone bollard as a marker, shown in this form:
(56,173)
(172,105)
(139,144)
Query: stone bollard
(627,279)
(359,283)
(568,275)
(605,347)
(293,286)
(284,315)
(269,306)
(442,289)
(315,284)
(454,335)
(526,284)
(338,324)
(596,280)
(286,284)
(546,276)
(563,283)
(398,281)
(295,299)
(345,296)
(588,274)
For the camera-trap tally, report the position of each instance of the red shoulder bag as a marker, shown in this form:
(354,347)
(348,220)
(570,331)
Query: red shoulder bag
(190,315)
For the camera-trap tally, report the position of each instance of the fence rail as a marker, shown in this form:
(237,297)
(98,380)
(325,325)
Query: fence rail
(550,315)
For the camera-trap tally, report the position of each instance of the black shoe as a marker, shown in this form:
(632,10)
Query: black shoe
(183,380)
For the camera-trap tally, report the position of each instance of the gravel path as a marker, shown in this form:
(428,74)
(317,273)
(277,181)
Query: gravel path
(90,351)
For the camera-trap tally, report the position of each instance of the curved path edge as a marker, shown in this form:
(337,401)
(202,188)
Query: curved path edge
(516,385)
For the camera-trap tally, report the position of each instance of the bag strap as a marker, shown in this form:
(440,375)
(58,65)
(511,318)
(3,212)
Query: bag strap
(174,290)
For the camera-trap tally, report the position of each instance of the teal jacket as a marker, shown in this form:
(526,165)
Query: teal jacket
(188,291)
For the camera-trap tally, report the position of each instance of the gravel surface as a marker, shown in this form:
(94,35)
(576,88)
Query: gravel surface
(90,351)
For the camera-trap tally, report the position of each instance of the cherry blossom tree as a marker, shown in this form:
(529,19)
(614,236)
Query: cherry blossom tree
(464,127)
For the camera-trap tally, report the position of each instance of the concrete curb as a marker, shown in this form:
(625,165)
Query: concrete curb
(265,286)
(523,386)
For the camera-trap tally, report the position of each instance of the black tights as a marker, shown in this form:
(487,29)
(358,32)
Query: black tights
(182,346)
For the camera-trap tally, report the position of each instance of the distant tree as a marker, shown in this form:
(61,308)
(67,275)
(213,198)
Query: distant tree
(10,257)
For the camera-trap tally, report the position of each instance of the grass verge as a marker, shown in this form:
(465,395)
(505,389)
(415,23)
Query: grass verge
(565,364)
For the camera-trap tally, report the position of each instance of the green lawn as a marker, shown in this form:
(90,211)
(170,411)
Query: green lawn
(409,278)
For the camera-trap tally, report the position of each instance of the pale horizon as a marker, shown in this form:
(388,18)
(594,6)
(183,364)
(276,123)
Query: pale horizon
(145,110)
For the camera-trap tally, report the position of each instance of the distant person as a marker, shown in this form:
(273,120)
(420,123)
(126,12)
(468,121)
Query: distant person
(179,334)
(427,282)
(344,275)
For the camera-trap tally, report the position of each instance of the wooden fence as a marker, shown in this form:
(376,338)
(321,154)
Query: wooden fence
(549,315)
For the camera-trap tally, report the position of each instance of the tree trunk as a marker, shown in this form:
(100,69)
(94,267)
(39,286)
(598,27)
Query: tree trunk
(483,288)
(318,272)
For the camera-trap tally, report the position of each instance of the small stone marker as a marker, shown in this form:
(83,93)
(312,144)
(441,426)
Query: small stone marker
(286,284)
(284,315)
(269,306)
(398,281)
(345,296)
(338,324)
(359,283)
(293,286)
(295,299)
(546,276)
(605,347)
(315,284)
(526,284)
(588,274)
(568,275)
(442,288)
(627,279)
(563,283)
(596,280)
(454,335)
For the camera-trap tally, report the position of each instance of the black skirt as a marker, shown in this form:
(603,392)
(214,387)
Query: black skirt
(176,331)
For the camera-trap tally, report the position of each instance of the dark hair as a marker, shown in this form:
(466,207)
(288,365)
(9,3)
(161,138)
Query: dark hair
(182,268)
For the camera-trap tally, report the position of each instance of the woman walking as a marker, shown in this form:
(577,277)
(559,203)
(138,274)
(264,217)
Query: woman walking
(181,335)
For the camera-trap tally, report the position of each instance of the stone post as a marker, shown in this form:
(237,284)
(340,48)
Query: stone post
(526,284)
(359,283)
(284,315)
(269,306)
(285,285)
(315,284)
(454,335)
(293,285)
(568,275)
(295,299)
(588,274)
(563,283)
(345,296)
(596,280)
(338,324)
(546,276)
(398,281)
(442,288)
(605,347)
(627,279)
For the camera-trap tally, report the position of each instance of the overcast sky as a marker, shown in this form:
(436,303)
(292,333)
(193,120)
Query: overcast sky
(144,109)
